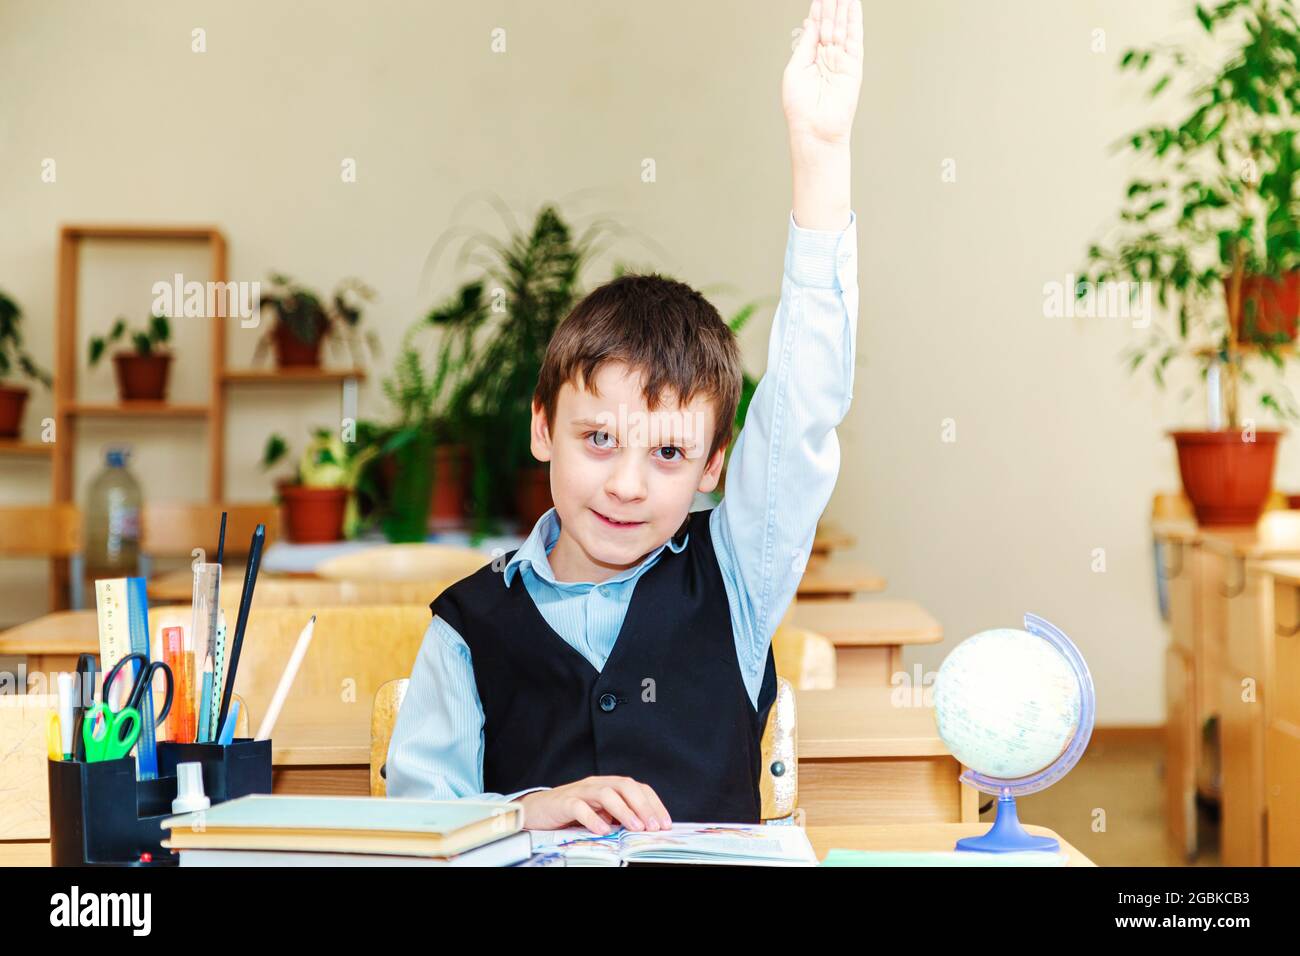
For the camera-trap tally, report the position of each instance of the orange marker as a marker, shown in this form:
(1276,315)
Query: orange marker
(181,723)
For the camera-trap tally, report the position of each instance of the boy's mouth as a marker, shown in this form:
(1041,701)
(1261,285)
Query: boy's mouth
(614,522)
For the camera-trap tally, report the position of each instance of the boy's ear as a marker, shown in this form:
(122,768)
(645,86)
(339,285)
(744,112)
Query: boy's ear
(713,470)
(539,432)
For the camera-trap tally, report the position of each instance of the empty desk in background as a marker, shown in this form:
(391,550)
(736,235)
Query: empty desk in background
(838,578)
(868,635)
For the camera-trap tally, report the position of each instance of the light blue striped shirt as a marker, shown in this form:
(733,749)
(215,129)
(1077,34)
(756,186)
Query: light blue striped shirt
(780,477)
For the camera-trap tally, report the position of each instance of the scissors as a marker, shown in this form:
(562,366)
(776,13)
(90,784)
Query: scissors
(121,728)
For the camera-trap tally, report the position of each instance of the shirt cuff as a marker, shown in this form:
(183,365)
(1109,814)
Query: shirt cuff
(820,258)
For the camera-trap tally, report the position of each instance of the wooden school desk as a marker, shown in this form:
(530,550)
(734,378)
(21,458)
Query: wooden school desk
(915,837)
(868,635)
(52,642)
(1261,783)
(838,578)
(1218,609)
(864,758)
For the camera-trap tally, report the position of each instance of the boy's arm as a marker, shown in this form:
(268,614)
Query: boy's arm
(436,752)
(786,459)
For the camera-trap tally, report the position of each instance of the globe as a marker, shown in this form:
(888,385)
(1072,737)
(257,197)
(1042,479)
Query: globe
(1015,707)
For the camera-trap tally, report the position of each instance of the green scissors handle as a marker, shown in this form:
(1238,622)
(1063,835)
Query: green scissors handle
(121,731)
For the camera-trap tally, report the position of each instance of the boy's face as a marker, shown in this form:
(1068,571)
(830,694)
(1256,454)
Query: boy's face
(622,476)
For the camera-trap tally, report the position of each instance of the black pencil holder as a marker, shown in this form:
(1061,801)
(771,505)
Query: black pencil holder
(101,815)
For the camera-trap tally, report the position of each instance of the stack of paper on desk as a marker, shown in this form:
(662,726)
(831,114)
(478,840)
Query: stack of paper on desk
(273,830)
(728,844)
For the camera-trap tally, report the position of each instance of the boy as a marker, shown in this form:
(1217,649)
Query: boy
(618,670)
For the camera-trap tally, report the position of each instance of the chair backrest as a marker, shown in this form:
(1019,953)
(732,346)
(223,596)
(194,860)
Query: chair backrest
(175,528)
(40,531)
(354,650)
(404,562)
(383,717)
(312,593)
(805,658)
(778,783)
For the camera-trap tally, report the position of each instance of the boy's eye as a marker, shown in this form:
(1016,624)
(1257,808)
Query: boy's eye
(601,439)
(670,453)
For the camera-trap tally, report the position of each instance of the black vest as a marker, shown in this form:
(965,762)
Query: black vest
(669,709)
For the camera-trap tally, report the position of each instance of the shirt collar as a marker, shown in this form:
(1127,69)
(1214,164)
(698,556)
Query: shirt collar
(533,554)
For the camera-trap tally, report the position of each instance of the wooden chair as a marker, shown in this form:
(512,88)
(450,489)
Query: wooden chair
(804,658)
(45,531)
(354,651)
(311,593)
(173,529)
(404,562)
(778,784)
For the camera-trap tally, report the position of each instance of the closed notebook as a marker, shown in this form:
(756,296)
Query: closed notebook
(345,825)
(507,851)
(727,844)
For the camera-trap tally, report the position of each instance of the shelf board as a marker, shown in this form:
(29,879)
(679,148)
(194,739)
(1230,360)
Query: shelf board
(16,447)
(146,233)
(297,376)
(137,409)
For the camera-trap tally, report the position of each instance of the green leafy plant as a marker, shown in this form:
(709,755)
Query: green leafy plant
(13,357)
(495,331)
(1221,205)
(326,462)
(146,341)
(310,317)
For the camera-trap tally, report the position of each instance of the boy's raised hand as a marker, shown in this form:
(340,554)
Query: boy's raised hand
(596,803)
(819,90)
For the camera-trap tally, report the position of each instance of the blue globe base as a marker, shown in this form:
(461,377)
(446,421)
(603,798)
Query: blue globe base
(1007,835)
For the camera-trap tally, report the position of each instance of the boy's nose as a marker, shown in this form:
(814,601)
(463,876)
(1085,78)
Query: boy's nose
(626,482)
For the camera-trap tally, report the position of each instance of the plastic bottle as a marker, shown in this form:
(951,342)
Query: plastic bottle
(113,519)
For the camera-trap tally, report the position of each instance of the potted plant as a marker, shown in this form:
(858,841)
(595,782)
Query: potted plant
(142,371)
(495,331)
(1214,230)
(301,321)
(319,500)
(14,359)
(407,449)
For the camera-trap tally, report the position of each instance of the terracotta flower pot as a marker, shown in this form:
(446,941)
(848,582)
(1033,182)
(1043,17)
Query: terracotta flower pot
(532,495)
(293,352)
(313,515)
(142,377)
(1276,307)
(450,470)
(12,400)
(1227,479)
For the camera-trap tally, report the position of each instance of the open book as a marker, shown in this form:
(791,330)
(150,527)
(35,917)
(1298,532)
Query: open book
(729,844)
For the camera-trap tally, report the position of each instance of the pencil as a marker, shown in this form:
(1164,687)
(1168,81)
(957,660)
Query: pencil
(286,680)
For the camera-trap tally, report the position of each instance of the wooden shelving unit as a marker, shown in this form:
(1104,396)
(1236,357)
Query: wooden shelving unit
(17,448)
(68,409)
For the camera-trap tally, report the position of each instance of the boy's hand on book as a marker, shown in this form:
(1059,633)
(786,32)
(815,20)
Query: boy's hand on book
(597,803)
(819,91)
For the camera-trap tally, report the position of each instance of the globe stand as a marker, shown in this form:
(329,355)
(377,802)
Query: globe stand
(1007,835)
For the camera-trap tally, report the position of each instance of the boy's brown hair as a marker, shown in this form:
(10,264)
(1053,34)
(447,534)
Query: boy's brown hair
(657,326)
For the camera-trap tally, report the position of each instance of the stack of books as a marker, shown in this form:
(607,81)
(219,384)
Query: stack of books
(266,830)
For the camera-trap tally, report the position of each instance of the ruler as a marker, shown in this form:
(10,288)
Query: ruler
(122,610)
